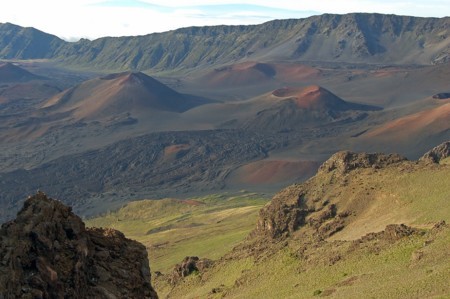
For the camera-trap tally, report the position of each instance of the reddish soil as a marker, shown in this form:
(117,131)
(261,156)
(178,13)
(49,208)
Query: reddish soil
(173,149)
(240,74)
(249,73)
(171,152)
(296,73)
(119,93)
(272,172)
(429,122)
(309,97)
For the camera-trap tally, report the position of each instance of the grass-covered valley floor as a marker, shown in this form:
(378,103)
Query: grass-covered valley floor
(171,229)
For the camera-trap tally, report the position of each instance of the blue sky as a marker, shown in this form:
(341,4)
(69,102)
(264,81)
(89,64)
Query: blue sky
(74,19)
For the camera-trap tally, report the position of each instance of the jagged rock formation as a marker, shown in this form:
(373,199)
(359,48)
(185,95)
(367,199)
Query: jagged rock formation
(307,204)
(292,208)
(437,154)
(319,208)
(47,252)
(392,233)
(189,265)
(352,220)
(346,161)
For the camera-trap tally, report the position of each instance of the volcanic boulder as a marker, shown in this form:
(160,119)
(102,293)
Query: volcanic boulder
(47,252)
(189,265)
(437,154)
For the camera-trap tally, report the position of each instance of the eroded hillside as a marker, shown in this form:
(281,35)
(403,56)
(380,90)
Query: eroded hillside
(361,219)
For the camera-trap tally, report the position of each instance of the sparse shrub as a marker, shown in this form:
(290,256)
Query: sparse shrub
(317,292)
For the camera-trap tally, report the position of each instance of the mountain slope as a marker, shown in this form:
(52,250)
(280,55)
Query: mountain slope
(429,126)
(431,121)
(116,94)
(27,43)
(362,218)
(13,73)
(283,109)
(246,73)
(365,38)
(293,108)
(174,228)
(348,38)
(160,164)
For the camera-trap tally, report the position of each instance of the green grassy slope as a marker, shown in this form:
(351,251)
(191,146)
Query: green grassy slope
(395,272)
(415,266)
(172,229)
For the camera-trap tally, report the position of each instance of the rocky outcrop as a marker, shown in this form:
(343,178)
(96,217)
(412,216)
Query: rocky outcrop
(308,208)
(391,234)
(346,161)
(47,252)
(437,154)
(300,207)
(284,214)
(189,265)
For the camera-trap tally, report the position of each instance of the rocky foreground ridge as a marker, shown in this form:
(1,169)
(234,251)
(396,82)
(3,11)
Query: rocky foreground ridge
(311,205)
(316,208)
(362,218)
(47,252)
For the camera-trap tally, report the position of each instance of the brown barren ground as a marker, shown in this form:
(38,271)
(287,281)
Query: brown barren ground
(272,172)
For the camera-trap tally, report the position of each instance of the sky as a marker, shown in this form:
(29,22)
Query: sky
(75,19)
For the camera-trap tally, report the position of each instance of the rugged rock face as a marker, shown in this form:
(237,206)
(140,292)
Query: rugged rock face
(307,205)
(346,161)
(392,233)
(437,154)
(189,265)
(297,207)
(47,252)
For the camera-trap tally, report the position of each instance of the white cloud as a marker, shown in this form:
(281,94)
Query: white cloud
(91,18)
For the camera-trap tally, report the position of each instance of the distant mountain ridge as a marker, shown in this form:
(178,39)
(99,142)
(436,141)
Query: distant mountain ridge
(351,38)
(27,43)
